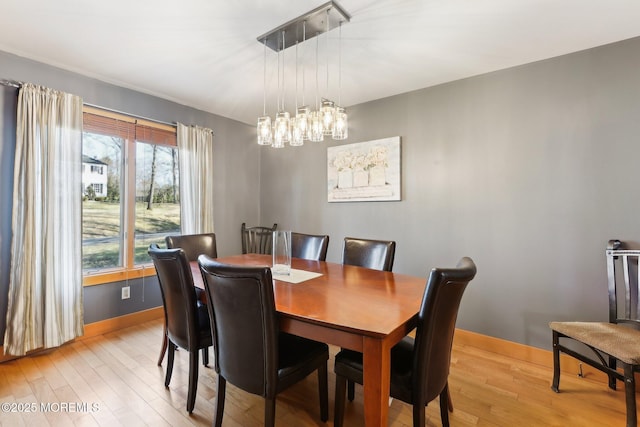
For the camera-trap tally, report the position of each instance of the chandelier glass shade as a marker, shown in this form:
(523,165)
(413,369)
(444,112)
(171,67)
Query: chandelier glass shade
(301,127)
(264,130)
(326,120)
(316,134)
(327,114)
(281,130)
(340,125)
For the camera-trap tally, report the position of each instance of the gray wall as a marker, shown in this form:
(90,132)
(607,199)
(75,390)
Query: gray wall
(530,171)
(236,170)
(7,151)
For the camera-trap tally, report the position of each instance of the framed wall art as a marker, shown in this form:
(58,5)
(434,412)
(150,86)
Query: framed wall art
(364,171)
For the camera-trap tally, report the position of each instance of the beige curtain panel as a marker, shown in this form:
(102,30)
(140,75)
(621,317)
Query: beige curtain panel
(195,153)
(45,306)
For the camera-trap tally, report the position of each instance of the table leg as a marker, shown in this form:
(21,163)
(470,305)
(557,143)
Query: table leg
(376,360)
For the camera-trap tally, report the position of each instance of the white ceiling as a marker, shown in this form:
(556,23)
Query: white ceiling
(204,53)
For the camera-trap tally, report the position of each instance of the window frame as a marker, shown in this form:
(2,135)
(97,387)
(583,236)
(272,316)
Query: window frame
(129,270)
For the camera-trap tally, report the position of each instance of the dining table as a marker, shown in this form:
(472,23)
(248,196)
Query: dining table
(352,307)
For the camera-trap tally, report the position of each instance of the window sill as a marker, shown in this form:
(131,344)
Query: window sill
(117,275)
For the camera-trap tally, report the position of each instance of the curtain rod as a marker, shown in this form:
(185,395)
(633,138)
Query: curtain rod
(130,115)
(17,84)
(11,83)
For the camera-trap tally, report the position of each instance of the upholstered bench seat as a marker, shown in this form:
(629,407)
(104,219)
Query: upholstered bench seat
(619,341)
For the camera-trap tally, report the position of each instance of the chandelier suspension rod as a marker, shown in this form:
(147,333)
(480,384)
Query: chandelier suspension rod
(304,38)
(340,64)
(264,87)
(283,87)
(317,84)
(326,48)
(296,75)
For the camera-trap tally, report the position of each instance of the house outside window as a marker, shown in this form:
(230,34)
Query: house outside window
(94,177)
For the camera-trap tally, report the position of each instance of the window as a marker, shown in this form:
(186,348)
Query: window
(131,197)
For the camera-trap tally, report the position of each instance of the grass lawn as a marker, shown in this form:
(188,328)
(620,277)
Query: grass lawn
(101,231)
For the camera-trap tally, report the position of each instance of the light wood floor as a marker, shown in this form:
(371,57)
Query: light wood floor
(113,379)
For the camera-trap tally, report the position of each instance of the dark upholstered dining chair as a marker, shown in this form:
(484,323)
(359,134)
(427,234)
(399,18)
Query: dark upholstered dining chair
(193,246)
(186,318)
(256,240)
(249,349)
(309,246)
(375,254)
(420,366)
(614,345)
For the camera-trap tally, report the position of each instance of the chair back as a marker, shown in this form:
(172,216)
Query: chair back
(436,325)
(309,246)
(244,324)
(623,270)
(256,240)
(374,254)
(178,296)
(194,245)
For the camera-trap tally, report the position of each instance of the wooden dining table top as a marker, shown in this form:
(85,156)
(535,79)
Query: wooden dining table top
(370,302)
(352,307)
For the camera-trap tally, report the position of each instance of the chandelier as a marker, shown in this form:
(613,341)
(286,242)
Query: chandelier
(328,118)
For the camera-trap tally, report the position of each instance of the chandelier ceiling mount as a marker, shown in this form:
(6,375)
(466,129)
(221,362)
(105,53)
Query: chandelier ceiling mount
(315,22)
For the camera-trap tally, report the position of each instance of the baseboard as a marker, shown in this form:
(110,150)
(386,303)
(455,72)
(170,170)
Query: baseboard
(104,327)
(121,322)
(538,356)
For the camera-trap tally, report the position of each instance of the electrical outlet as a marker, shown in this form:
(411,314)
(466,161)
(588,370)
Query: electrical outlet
(125,292)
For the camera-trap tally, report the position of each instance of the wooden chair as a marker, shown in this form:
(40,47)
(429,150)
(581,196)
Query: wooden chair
(420,366)
(250,350)
(186,318)
(256,240)
(375,254)
(309,246)
(614,344)
(193,246)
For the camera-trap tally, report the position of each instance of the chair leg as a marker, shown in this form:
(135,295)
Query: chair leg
(205,356)
(419,417)
(556,364)
(170,357)
(270,411)
(165,340)
(613,363)
(193,380)
(630,393)
(445,405)
(351,390)
(449,401)
(338,404)
(220,395)
(323,392)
